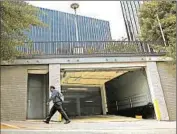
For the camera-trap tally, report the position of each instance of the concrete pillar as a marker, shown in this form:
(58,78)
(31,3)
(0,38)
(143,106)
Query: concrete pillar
(54,79)
(78,106)
(104,100)
(156,91)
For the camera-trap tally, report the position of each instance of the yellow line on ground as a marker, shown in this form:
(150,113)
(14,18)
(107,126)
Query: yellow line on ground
(10,126)
(7,126)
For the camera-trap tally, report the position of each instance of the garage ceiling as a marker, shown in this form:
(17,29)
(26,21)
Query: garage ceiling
(89,77)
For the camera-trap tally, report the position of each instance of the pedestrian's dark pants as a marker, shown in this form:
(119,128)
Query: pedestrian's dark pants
(58,108)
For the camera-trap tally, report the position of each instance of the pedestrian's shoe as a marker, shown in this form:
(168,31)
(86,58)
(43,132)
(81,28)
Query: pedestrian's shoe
(67,122)
(46,122)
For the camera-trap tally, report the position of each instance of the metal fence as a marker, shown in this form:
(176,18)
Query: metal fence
(69,48)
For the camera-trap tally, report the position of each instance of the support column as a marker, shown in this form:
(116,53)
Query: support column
(54,80)
(78,106)
(156,91)
(104,100)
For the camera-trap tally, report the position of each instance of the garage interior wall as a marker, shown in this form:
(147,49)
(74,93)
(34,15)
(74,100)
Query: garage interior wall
(168,81)
(132,85)
(82,101)
(14,91)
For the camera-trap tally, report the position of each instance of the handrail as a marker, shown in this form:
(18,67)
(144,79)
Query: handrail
(71,48)
(135,95)
(130,98)
(155,42)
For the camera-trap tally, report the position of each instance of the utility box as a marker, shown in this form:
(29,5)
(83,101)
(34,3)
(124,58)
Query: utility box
(78,50)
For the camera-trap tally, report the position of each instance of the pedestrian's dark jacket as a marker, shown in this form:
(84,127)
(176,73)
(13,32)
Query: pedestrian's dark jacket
(56,97)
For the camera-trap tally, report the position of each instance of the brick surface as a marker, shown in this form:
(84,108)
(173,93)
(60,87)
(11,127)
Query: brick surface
(156,89)
(14,91)
(168,81)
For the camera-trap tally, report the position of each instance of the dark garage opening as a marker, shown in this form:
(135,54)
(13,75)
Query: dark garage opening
(82,101)
(129,95)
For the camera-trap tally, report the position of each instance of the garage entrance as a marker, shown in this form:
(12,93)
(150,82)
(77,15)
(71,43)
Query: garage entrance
(82,101)
(129,95)
(123,92)
(84,91)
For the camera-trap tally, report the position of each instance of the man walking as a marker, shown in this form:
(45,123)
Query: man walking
(58,99)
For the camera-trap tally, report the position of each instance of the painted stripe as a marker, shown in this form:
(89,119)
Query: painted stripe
(59,117)
(157,109)
(11,126)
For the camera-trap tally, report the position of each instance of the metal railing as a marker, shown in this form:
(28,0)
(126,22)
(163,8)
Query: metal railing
(70,48)
(133,101)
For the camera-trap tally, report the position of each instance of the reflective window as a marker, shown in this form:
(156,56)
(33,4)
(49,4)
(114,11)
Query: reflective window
(130,14)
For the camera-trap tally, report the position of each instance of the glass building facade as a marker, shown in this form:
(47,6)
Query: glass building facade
(61,27)
(130,14)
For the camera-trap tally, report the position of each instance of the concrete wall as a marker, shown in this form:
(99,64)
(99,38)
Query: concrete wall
(14,91)
(132,84)
(156,91)
(168,81)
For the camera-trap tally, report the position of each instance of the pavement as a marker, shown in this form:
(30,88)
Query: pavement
(112,125)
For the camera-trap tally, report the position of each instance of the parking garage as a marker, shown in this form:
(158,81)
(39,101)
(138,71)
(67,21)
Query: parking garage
(100,76)
(129,95)
(123,92)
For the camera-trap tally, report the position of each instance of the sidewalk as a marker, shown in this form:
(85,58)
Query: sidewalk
(92,127)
